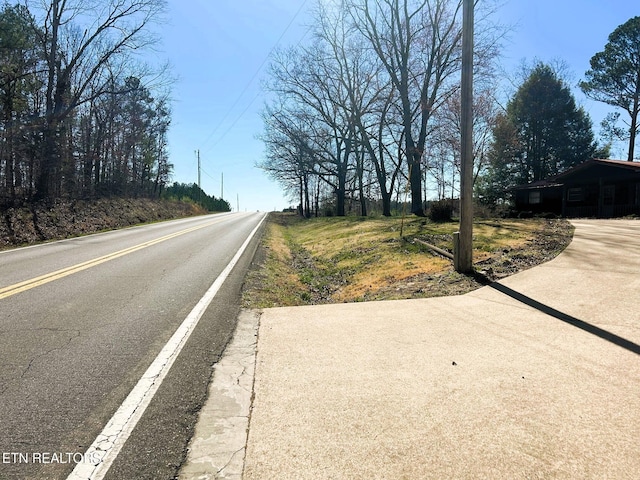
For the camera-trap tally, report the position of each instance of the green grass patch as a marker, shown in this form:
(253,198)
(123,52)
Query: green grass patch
(328,260)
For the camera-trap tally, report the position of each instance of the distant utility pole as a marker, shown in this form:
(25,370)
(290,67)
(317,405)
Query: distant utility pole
(237,202)
(463,240)
(198,155)
(222,186)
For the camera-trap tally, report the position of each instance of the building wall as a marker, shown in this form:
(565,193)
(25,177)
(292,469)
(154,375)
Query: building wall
(595,191)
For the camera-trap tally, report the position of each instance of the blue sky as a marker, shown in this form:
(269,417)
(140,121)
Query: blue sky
(218,50)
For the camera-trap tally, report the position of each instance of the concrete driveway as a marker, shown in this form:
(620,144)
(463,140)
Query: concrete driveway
(535,377)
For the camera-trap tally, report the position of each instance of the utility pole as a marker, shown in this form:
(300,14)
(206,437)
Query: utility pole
(222,186)
(199,188)
(237,202)
(463,240)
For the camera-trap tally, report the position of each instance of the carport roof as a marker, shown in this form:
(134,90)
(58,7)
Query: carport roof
(557,181)
(624,164)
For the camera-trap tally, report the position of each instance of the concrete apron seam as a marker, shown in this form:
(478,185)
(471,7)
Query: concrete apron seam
(218,446)
(258,318)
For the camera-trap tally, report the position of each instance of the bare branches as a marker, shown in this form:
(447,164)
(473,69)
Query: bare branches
(374,81)
(81,60)
(83,56)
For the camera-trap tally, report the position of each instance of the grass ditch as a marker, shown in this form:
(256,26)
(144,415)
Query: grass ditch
(352,259)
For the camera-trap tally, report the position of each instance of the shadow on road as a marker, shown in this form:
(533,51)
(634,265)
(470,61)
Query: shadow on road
(587,327)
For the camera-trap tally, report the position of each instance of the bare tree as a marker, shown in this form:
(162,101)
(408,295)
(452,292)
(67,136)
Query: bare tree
(418,43)
(370,98)
(289,157)
(444,144)
(372,83)
(81,62)
(305,78)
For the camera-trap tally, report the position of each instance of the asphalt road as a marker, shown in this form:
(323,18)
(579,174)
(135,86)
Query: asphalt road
(80,322)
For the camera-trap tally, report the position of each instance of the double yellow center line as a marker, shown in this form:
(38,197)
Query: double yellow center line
(64,272)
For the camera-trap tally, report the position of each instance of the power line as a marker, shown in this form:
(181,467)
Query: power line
(243,111)
(244,90)
(207,174)
(233,124)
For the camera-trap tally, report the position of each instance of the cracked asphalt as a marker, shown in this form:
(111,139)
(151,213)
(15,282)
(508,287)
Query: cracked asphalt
(72,349)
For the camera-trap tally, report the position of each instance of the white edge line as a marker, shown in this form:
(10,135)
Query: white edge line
(107,445)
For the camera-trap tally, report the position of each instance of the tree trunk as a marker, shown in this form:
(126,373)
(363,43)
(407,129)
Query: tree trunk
(340,199)
(307,203)
(301,193)
(386,204)
(415,181)
(48,161)
(9,161)
(363,203)
(634,129)
(341,191)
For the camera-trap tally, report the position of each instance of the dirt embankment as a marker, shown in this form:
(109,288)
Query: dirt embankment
(62,219)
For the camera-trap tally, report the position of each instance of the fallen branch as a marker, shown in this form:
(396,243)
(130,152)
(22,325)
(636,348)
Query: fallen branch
(435,249)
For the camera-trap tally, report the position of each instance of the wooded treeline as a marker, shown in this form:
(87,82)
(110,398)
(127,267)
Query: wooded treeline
(80,115)
(368,108)
(192,193)
(366,111)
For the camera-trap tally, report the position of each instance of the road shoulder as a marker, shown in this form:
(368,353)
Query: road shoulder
(217,448)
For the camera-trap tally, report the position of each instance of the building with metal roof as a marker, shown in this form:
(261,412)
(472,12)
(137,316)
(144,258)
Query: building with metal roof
(596,188)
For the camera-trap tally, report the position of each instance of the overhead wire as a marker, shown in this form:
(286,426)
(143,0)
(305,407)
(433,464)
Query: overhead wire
(244,90)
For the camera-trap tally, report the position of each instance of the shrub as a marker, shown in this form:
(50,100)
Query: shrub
(441,211)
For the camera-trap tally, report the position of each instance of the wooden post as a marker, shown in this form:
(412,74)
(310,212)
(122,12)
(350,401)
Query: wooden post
(463,253)
(456,249)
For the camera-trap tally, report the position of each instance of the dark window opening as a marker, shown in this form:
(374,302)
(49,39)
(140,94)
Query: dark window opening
(575,195)
(534,198)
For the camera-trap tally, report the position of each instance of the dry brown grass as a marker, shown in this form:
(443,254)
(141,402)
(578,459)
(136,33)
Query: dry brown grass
(274,283)
(329,260)
(381,275)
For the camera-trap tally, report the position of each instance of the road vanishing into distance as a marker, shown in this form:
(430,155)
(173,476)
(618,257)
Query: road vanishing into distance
(83,320)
